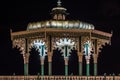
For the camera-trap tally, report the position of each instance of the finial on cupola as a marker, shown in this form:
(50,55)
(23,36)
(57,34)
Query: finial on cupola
(59,3)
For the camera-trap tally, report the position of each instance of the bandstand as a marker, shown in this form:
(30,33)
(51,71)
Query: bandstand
(65,35)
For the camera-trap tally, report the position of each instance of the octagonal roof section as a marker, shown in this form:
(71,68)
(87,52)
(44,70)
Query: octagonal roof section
(59,24)
(59,21)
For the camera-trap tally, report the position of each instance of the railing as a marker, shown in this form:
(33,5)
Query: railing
(59,77)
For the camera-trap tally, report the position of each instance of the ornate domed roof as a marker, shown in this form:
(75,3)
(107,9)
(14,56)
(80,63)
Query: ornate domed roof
(60,24)
(59,21)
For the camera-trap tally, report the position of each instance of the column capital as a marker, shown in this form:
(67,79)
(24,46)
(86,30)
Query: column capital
(42,60)
(26,58)
(87,59)
(50,56)
(80,54)
(95,57)
(80,57)
(66,60)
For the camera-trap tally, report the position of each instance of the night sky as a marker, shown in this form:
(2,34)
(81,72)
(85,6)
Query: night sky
(103,14)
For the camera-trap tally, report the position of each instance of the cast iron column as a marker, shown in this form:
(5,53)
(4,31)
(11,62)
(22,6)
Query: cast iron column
(26,61)
(66,66)
(49,63)
(42,65)
(95,56)
(95,64)
(87,66)
(80,56)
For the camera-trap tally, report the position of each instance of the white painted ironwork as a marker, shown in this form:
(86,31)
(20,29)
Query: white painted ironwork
(41,47)
(65,45)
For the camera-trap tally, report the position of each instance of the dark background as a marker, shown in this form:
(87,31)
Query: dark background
(104,14)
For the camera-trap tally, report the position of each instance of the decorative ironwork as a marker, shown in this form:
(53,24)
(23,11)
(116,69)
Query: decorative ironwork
(101,43)
(20,43)
(65,45)
(40,45)
(87,48)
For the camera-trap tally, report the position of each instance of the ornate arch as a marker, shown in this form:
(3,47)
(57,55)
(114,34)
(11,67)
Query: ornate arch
(39,44)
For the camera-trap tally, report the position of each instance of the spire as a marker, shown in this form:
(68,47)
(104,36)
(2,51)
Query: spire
(59,3)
